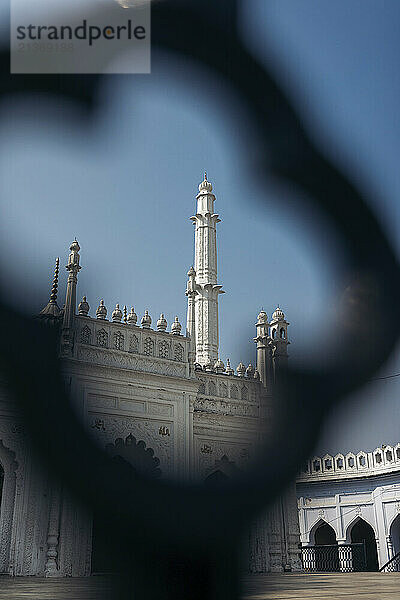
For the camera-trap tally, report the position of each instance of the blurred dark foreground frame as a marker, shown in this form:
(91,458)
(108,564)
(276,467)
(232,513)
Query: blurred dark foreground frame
(181,541)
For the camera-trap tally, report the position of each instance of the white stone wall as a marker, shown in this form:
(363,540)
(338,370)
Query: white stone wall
(156,399)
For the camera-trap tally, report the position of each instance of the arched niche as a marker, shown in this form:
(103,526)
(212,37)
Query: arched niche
(140,460)
(8,467)
(325,547)
(361,532)
(322,534)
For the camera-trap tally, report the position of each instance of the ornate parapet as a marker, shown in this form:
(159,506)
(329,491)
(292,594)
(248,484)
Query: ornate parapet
(131,347)
(384,459)
(228,395)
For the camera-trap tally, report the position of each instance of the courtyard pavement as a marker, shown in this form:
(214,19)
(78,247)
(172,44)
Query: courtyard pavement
(350,586)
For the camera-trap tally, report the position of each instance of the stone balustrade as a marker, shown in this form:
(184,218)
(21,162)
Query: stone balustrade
(383,459)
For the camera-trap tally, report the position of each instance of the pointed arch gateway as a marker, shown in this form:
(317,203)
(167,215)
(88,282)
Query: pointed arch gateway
(361,532)
(140,461)
(326,548)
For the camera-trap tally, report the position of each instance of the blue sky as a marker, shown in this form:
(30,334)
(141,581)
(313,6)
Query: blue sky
(126,186)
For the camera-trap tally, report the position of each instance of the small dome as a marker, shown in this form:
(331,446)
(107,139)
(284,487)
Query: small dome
(229,370)
(146,320)
(209,367)
(262,317)
(83,307)
(162,323)
(176,327)
(219,366)
(278,315)
(75,247)
(241,369)
(132,317)
(205,186)
(101,311)
(117,314)
(197,367)
(250,370)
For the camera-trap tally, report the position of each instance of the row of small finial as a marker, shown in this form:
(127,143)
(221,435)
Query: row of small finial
(119,316)
(219,368)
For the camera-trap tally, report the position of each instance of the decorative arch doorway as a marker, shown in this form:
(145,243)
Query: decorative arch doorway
(106,557)
(326,548)
(362,533)
(395,534)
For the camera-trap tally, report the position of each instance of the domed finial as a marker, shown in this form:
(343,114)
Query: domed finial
(101,311)
(117,314)
(162,323)
(250,371)
(205,185)
(176,327)
(262,317)
(125,314)
(241,369)
(83,307)
(146,320)
(75,247)
(229,370)
(219,366)
(278,315)
(132,317)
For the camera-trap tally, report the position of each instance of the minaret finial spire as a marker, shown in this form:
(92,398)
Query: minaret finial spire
(52,310)
(205,175)
(54,288)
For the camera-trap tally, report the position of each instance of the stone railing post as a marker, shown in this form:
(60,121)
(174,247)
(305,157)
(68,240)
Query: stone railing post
(308,558)
(345,558)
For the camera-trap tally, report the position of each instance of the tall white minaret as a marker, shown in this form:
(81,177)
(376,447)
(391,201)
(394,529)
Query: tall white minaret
(205,267)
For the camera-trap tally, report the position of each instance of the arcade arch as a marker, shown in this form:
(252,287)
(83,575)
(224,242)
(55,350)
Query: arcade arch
(361,532)
(326,547)
(322,534)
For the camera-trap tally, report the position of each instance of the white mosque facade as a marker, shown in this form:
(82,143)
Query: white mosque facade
(146,391)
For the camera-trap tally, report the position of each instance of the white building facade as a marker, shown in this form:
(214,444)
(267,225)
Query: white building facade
(352,498)
(159,398)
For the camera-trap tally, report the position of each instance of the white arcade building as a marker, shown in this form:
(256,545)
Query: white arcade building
(351,499)
(160,399)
